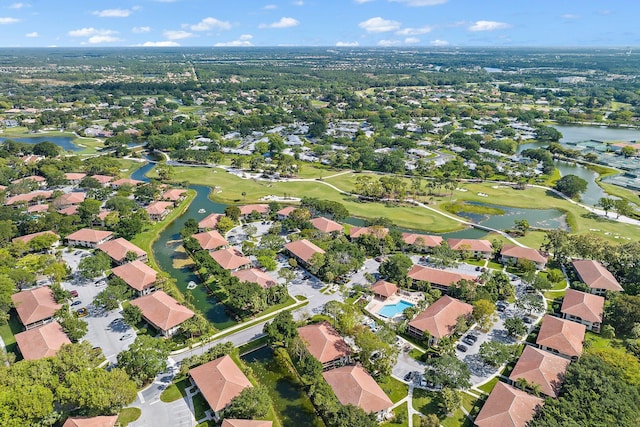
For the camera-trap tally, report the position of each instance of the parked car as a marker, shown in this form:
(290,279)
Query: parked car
(82,312)
(125,336)
(501,308)
(409,376)
(74,293)
(472,336)
(468,340)
(76,302)
(528,320)
(462,348)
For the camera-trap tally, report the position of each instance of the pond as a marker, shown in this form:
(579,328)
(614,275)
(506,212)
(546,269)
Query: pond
(465,233)
(537,218)
(64,142)
(166,253)
(291,403)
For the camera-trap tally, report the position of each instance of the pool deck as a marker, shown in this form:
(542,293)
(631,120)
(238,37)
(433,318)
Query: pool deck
(375,304)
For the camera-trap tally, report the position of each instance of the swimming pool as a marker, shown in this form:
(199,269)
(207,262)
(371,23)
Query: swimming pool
(392,310)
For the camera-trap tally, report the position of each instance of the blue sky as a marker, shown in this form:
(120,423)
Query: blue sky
(64,23)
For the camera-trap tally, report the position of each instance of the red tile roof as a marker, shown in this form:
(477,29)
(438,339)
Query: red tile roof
(102,179)
(28,197)
(72,198)
(542,368)
(89,235)
(586,306)
(474,245)
(427,241)
(441,317)
(595,275)
(254,275)
(219,381)
(210,221)
(71,176)
(28,237)
(71,210)
(103,421)
(210,240)
(562,335)
(286,211)
(136,274)
(379,232)
(325,225)
(230,258)
(117,249)
(353,385)
(507,406)
(126,181)
(303,249)
(437,276)
(35,305)
(384,288)
(38,208)
(162,311)
(519,252)
(245,423)
(44,341)
(173,194)
(260,208)
(323,342)
(34,178)
(158,208)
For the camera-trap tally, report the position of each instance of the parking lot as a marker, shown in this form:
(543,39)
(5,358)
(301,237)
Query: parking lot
(103,331)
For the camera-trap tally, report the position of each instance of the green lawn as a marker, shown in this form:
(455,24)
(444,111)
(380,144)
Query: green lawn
(128,415)
(8,331)
(425,401)
(396,390)
(200,406)
(128,166)
(487,387)
(401,418)
(171,394)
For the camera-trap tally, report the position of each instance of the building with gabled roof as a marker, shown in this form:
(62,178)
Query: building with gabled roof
(596,276)
(118,249)
(583,308)
(125,181)
(138,275)
(507,406)
(102,421)
(479,248)
(44,341)
(41,181)
(219,381)
(260,208)
(163,312)
(230,259)
(255,275)
(510,254)
(383,289)
(29,237)
(89,237)
(35,307)
(70,199)
(325,344)
(69,210)
(74,178)
(325,225)
(352,385)
(30,199)
(104,180)
(210,240)
(422,242)
(209,222)
(376,231)
(542,368)
(560,336)
(158,210)
(439,279)
(439,319)
(174,195)
(303,250)
(285,212)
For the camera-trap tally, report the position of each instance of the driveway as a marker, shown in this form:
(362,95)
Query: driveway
(370,266)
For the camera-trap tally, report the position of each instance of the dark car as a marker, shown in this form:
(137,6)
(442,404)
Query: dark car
(76,303)
(467,340)
(501,308)
(409,376)
(462,348)
(527,320)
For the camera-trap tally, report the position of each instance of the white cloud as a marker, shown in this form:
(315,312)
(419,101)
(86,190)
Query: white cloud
(19,5)
(113,13)
(379,25)
(243,40)
(32,35)
(414,31)
(90,31)
(4,21)
(298,3)
(160,44)
(140,30)
(411,40)
(177,35)
(488,26)
(438,42)
(284,22)
(362,1)
(418,3)
(570,16)
(210,23)
(387,43)
(270,7)
(103,39)
(347,44)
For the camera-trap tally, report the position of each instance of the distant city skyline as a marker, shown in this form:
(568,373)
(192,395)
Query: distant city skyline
(386,23)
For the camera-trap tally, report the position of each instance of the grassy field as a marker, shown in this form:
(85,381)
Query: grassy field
(401,418)
(8,331)
(229,189)
(396,390)
(487,387)
(128,415)
(128,166)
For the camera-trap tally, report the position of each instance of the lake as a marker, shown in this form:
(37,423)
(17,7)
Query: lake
(64,142)
(537,218)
